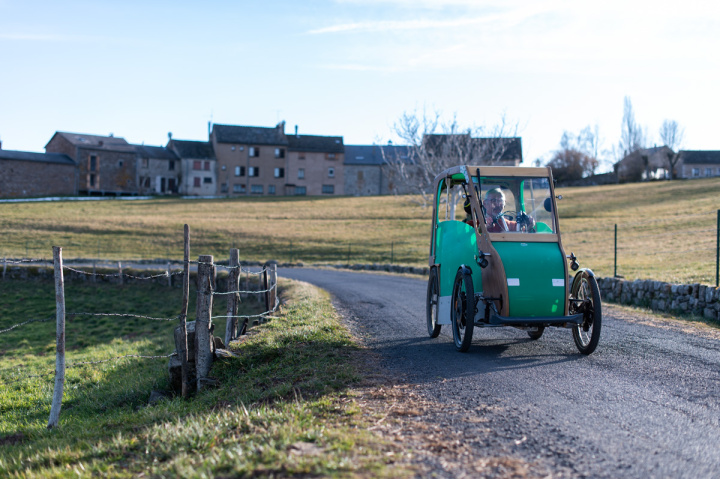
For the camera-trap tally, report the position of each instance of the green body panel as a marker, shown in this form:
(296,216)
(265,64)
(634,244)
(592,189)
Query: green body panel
(456,245)
(536,278)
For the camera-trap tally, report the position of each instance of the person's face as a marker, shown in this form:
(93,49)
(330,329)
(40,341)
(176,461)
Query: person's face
(494,204)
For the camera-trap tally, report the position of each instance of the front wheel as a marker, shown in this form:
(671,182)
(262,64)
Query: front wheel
(536,333)
(462,313)
(585,299)
(431,305)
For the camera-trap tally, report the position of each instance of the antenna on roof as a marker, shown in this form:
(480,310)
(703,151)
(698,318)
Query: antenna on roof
(169,135)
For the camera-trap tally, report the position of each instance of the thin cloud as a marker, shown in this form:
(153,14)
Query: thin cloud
(394,25)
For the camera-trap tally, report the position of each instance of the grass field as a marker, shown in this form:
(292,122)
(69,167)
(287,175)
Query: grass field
(666,230)
(279,411)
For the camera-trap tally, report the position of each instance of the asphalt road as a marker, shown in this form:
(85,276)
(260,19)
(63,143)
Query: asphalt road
(645,404)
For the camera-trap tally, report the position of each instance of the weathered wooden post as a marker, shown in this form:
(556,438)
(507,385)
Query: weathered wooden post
(233,284)
(273,285)
(203,323)
(183,316)
(4,266)
(265,286)
(169,275)
(60,338)
(94,278)
(120,273)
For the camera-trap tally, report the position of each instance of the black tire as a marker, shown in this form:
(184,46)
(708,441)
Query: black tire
(587,334)
(536,333)
(431,304)
(462,310)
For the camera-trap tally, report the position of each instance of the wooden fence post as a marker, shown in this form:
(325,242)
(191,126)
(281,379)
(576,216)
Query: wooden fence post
(265,286)
(203,322)
(4,266)
(60,336)
(273,285)
(185,369)
(120,273)
(169,275)
(233,284)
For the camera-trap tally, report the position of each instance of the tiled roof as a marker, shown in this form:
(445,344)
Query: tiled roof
(39,157)
(323,144)
(94,141)
(249,135)
(373,154)
(155,152)
(700,157)
(192,149)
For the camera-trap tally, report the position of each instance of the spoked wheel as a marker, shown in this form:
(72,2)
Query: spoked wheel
(536,333)
(586,335)
(433,293)
(462,312)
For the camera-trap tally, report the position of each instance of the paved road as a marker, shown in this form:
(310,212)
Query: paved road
(645,404)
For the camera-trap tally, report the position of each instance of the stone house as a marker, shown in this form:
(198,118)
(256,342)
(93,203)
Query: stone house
(366,170)
(645,164)
(315,165)
(107,165)
(158,170)
(198,167)
(698,164)
(251,160)
(24,174)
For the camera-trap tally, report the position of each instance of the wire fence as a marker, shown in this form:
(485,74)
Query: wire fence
(267,290)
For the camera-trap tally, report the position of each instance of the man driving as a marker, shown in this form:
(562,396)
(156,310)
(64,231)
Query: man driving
(494,204)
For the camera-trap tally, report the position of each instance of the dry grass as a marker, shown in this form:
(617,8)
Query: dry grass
(666,230)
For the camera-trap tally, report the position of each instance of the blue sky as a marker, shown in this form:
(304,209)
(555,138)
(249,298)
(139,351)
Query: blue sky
(141,69)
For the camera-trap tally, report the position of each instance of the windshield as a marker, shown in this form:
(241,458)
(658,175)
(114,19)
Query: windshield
(517,204)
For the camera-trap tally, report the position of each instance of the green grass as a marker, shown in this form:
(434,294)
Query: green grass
(666,230)
(277,410)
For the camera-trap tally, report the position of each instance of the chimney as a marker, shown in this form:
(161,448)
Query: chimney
(296,132)
(281,127)
(169,135)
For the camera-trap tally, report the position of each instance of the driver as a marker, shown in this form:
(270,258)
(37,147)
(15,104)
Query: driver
(494,204)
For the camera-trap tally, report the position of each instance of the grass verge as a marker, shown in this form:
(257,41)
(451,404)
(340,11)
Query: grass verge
(280,409)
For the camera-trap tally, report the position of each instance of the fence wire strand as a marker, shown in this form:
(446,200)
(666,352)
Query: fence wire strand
(246,292)
(125,275)
(24,323)
(124,315)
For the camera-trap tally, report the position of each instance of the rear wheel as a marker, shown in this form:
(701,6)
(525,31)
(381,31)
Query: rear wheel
(462,312)
(431,305)
(587,293)
(536,333)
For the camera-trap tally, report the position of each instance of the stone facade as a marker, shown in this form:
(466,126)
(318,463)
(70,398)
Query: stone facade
(698,299)
(158,170)
(315,166)
(198,167)
(24,174)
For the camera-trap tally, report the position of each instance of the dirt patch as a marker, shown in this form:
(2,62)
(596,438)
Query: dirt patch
(12,439)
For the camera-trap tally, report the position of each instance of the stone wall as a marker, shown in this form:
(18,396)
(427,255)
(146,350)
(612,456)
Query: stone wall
(698,299)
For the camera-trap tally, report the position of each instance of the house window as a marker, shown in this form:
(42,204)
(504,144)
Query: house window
(279,153)
(223,167)
(256,189)
(279,172)
(300,190)
(239,171)
(145,162)
(120,163)
(254,151)
(147,182)
(207,180)
(92,163)
(171,165)
(331,172)
(331,156)
(328,189)
(92,180)
(301,173)
(223,188)
(196,182)
(197,165)
(708,171)
(301,156)
(238,188)
(271,189)
(232,148)
(695,172)
(207,166)
(253,171)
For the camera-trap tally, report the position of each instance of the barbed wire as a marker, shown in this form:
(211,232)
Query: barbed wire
(246,292)
(124,315)
(28,260)
(116,275)
(38,320)
(675,252)
(140,356)
(248,316)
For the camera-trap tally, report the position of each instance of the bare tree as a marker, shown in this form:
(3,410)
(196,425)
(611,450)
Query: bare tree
(672,135)
(433,146)
(632,137)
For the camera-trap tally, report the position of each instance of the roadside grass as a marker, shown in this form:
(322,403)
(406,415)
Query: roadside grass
(666,230)
(280,408)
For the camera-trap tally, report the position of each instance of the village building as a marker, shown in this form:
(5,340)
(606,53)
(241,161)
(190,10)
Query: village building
(315,165)
(158,170)
(198,167)
(698,164)
(26,174)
